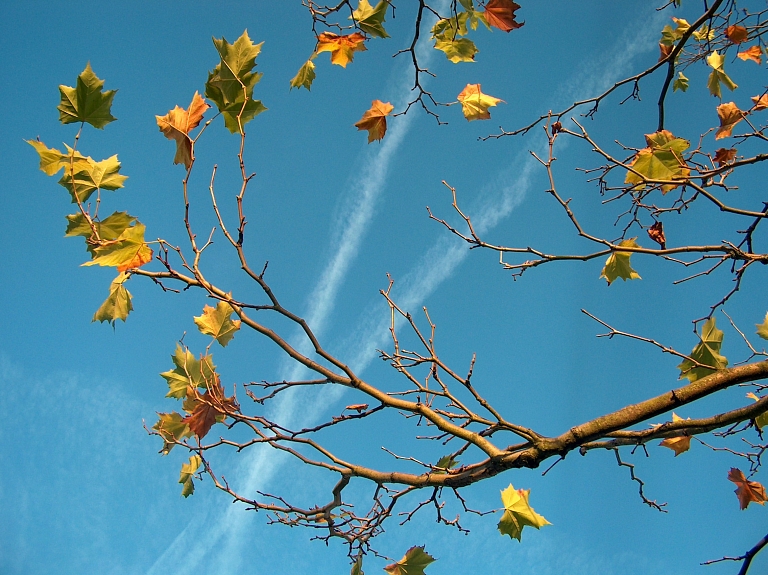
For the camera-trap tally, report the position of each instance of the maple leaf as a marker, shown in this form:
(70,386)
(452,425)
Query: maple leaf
(736,34)
(679,444)
(189,371)
(375,120)
(724,156)
(209,408)
(444,463)
(729,115)
(85,176)
(501,14)
(305,76)
(342,48)
(216,322)
(475,104)
(177,124)
(413,562)
(187,472)
(172,429)
(718,75)
(461,50)
(617,265)
(762,328)
(680,83)
(52,160)
(661,160)
(109,228)
(760,102)
(371,19)
(747,491)
(86,102)
(230,84)
(125,252)
(473,16)
(752,53)
(706,352)
(118,305)
(761,420)
(518,513)
(656,233)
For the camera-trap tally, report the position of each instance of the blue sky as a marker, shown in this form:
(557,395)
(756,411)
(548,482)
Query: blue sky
(82,488)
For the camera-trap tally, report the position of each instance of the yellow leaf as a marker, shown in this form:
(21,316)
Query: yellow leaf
(617,265)
(176,125)
(342,48)
(679,444)
(475,104)
(518,513)
(216,322)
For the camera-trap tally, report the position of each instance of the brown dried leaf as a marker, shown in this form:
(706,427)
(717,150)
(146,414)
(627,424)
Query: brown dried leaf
(679,444)
(665,50)
(177,124)
(375,120)
(501,14)
(724,156)
(209,408)
(736,34)
(729,115)
(752,53)
(656,233)
(747,491)
(358,407)
(760,102)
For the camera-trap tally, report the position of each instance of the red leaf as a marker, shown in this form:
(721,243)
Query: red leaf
(209,407)
(501,14)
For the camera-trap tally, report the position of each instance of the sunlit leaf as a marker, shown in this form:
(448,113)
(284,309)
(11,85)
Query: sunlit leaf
(761,420)
(475,104)
(518,513)
(736,34)
(172,429)
(118,304)
(501,14)
(109,228)
(188,471)
(375,120)
(127,251)
(217,323)
(342,48)
(729,115)
(177,124)
(617,265)
(86,102)
(371,19)
(305,76)
(460,50)
(680,83)
(706,352)
(752,53)
(718,75)
(413,562)
(760,102)
(747,491)
(84,176)
(52,160)
(661,160)
(762,328)
(679,444)
(189,371)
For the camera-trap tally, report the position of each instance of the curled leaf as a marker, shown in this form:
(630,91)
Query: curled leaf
(752,53)
(729,115)
(305,76)
(747,491)
(371,19)
(518,513)
(501,14)
(177,124)
(718,75)
(679,444)
(656,233)
(375,120)
(118,304)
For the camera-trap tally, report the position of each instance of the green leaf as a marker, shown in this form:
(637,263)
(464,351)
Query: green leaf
(357,568)
(761,420)
(127,251)
(230,84)
(187,472)
(518,513)
(109,228)
(171,428)
(189,371)
(762,328)
(669,35)
(370,19)
(681,83)
(216,322)
(461,50)
(52,160)
(305,76)
(118,304)
(449,29)
(86,102)
(90,176)
(413,562)
(704,34)
(718,75)
(446,462)
(707,352)
(617,265)
(661,160)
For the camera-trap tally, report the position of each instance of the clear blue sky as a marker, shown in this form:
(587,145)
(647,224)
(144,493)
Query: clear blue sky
(82,488)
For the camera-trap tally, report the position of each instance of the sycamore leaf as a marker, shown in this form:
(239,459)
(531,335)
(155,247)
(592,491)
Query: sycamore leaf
(86,102)
(661,160)
(84,176)
(475,104)
(451,28)
(617,265)
(230,84)
(52,160)
(761,420)
(172,429)
(656,233)
(518,513)
(704,34)
(729,115)
(473,16)
(461,50)
(747,491)
(680,83)
(109,228)
(679,444)
(760,102)
(125,252)
(501,14)
(762,328)
(718,75)
(118,304)
(342,48)
(189,371)
(706,352)
(188,470)
(305,76)
(736,34)
(752,53)
(375,120)
(724,156)
(357,568)
(210,407)
(413,562)
(216,322)
(446,462)
(371,19)
(177,124)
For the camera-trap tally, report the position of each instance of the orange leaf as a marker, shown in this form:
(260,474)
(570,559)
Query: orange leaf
(342,48)
(208,408)
(679,444)
(501,14)
(656,233)
(747,491)
(724,156)
(760,102)
(736,34)
(143,256)
(665,50)
(729,115)
(177,124)
(752,53)
(375,120)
